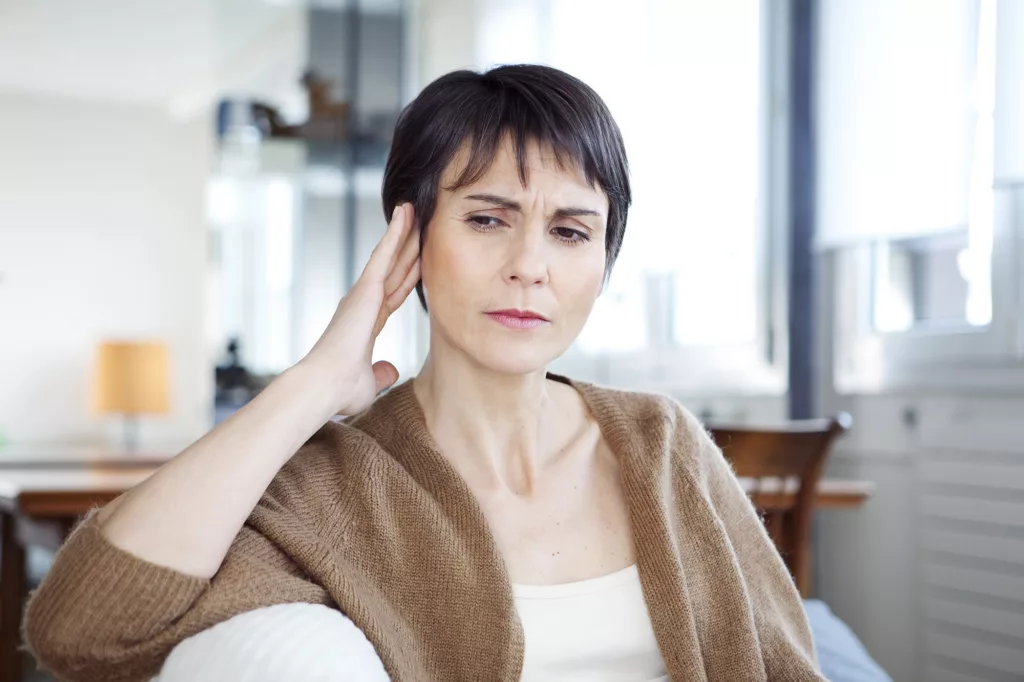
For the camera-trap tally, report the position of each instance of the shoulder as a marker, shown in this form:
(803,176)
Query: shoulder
(334,453)
(348,462)
(320,479)
(655,422)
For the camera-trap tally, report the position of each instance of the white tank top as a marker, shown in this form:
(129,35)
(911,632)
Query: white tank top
(594,630)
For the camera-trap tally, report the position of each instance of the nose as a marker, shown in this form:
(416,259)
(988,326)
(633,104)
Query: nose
(527,261)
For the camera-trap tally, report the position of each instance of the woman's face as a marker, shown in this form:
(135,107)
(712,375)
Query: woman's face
(511,273)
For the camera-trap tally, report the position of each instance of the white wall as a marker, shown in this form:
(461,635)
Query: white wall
(102,235)
(446,37)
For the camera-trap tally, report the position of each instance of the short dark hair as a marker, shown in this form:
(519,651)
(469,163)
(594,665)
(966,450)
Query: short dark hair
(527,102)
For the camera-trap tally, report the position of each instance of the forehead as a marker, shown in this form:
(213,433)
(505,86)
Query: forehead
(542,165)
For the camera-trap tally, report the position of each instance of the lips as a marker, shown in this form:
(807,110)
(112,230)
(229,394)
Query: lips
(515,312)
(514,318)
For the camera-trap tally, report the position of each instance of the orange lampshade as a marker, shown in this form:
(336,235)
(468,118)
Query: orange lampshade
(131,378)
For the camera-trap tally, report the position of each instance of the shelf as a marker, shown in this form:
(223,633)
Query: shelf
(324,175)
(328,181)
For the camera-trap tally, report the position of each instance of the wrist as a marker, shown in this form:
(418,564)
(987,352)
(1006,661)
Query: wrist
(308,386)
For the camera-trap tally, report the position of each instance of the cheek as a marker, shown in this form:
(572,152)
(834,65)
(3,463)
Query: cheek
(588,293)
(587,280)
(452,268)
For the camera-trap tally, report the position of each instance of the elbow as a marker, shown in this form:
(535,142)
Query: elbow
(70,642)
(61,641)
(52,640)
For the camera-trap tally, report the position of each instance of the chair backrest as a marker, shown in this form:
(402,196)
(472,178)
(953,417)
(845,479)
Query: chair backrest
(792,450)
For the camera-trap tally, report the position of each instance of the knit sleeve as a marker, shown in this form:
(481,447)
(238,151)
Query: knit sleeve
(104,615)
(787,646)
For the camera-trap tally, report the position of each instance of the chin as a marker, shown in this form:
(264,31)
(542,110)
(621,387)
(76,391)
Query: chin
(523,356)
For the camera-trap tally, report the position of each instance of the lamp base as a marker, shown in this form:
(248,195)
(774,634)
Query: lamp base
(131,433)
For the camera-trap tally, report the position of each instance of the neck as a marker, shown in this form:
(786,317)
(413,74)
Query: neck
(497,429)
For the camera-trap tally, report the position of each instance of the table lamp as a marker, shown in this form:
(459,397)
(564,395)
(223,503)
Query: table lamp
(131,379)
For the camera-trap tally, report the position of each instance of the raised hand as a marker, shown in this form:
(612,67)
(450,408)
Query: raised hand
(343,354)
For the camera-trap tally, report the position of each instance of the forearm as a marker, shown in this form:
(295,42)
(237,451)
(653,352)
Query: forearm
(186,515)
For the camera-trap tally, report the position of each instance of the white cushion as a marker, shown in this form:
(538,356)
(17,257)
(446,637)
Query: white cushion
(300,642)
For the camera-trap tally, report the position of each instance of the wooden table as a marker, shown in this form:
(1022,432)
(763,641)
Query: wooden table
(38,505)
(833,493)
(60,456)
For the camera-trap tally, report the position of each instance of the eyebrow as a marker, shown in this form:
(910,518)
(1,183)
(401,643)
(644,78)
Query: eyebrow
(502,202)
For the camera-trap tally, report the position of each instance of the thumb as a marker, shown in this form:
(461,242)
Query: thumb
(384,374)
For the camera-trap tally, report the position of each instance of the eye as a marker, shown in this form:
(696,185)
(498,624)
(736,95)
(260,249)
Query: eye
(485,222)
(571,235)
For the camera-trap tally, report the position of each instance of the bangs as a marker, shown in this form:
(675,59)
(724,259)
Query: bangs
(485,139)
(541,111)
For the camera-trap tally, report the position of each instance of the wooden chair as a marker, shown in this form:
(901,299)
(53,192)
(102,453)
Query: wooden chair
(780,458)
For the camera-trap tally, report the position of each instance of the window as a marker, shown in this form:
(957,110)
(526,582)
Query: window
(944,280)
(923,235)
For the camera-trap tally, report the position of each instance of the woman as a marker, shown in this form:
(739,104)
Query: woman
(484,521)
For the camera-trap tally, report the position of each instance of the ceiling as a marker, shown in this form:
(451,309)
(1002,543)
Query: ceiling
(179,54)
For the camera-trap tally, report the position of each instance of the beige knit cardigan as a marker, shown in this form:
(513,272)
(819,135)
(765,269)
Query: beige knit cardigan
(370,518)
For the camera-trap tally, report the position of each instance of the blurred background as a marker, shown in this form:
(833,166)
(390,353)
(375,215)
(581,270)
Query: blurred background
(829,216)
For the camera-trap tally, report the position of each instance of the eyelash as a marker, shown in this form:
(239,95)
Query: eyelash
(579,237)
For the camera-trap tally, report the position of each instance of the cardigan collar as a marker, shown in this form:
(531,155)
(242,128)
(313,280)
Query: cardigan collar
(639,429)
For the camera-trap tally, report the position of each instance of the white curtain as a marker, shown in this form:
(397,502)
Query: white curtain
(1009,95)
(896,117)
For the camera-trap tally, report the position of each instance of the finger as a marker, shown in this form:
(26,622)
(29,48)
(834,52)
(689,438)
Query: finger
(383,257)
(391,244)
(396,298)
(384,374)
(410,251)
(394,301)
